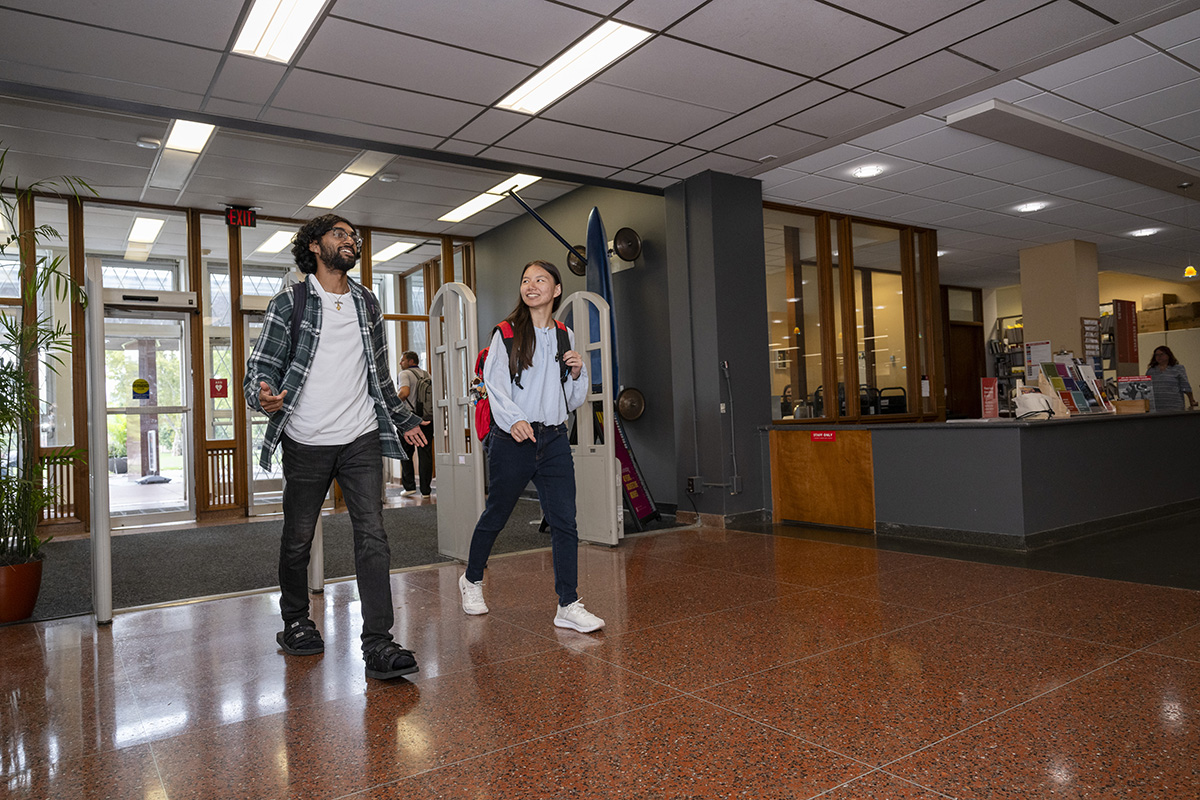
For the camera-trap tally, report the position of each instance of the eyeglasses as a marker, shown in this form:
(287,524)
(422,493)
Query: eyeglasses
(339,234)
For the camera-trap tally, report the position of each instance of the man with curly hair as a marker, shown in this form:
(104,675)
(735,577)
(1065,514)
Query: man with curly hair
(334,408)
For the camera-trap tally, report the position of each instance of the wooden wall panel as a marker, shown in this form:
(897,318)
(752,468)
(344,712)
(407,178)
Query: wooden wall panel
(824,483)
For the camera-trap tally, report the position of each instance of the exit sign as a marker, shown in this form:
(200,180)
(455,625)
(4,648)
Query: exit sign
(241,217)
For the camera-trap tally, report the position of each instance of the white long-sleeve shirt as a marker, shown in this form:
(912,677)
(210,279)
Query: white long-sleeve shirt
(540,397)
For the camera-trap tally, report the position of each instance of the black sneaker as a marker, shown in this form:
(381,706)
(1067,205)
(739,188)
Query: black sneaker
(389,661)
(300,637)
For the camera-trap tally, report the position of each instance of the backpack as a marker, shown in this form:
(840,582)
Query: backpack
(483,407)
(300,298)
(421,396)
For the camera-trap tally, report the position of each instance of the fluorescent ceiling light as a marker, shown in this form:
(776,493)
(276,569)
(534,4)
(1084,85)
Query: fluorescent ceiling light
(941,252)
(274,29)
(1140,232)
(368,163)
(338,190)
(188,136)
(276,242)
(489,198)
(867,171)
(137,252)
(145,230)
(391,251)
(1028,207)
(599,49)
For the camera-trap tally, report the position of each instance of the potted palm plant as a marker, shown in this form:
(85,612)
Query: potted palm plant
(28,342)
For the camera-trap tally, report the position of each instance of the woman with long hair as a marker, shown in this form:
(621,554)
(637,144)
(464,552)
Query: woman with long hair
(1169,381)
(531,393)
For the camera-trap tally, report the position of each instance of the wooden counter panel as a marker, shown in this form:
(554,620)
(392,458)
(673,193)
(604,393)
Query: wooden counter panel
(825,483)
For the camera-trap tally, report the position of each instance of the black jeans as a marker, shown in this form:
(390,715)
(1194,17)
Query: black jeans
(308,471)
(549,464)
(425,453)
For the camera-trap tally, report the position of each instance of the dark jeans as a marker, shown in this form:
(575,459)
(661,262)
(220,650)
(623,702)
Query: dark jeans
(425,452)
(548,463)
(308,471)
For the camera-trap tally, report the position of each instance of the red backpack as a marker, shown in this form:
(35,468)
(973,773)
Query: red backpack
(479,395)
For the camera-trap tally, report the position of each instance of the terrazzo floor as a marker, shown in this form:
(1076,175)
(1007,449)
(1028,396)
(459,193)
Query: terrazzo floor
(733,665)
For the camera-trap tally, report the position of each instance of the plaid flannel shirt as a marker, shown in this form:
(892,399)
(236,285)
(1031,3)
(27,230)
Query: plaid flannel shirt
(269,362)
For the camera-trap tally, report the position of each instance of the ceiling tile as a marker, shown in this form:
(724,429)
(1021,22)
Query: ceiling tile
(804,36)
(73,51)
(1032,166)
(930,77)
(376,105)
(247,80)
(804,189)
(907,15)
(539,160)
(1156,106)
(1098,122)
(528,31)
(839,114)
(938,144)
(1125,10)
(465,148)
(912,180)
(709,161)
(204,23)
(231,108)
(1183,128)
(773,141)
(491,126)
(755,119)
(302,121)
(959,187)
(978,159)
(1030,35)
(600,105)
(683,71)
(898,132)
(1179,30)
(667,158)
(655,15)
(405,62)
(1053,106)
(1128,81)
(1085,65)
(560,140)
(1010,92)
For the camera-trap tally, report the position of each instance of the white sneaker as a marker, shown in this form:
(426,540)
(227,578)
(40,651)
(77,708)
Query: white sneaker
(408,492)
(472,596)
(578,618)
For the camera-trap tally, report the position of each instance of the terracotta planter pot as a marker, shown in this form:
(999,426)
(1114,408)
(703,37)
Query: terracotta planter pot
(19,587)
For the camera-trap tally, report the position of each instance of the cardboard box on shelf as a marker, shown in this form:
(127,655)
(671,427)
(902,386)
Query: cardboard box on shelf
(1152,321)
(1181,311)
(1158,300)
(1182,324)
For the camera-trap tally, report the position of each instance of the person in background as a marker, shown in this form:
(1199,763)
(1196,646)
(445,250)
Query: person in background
(531,394)
(332,404)
(786,406)
(1169,381)
(410,375)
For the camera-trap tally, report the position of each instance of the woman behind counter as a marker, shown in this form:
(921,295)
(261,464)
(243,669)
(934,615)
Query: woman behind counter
(1169,379)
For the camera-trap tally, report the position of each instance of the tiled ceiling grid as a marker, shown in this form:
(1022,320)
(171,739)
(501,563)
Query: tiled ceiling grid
(796,92)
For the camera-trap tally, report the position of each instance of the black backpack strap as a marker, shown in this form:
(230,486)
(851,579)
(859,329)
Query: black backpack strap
(299,300)
(564,344)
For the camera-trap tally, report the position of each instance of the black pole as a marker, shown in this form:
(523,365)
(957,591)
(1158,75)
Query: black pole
(570,247)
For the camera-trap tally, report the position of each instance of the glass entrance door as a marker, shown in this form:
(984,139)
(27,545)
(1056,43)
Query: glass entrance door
(147,365)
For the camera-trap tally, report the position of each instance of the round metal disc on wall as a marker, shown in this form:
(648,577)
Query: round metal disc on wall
(631,404)
(627,244)
(577,261)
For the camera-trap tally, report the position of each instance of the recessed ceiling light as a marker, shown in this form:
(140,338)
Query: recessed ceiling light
(388,177)
(188,136)
(338,190)
(1028,207)
(148,142)
(1140,232)
(145,230)
(599,49)
(391,251)
(276,242)
(489,198)
(867,171)
(274,29)
(941,253)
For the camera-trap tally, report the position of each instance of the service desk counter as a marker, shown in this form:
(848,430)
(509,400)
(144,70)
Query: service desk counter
(1006,484)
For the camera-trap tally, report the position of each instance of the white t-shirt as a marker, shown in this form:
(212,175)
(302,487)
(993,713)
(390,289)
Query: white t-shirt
(334,406)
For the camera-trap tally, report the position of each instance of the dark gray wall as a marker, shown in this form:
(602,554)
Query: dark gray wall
(718,307)
(639,301)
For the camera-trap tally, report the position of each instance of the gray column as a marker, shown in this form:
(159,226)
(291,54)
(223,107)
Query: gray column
(718,311)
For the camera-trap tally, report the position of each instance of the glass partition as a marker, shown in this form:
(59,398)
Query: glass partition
(882,356)
(217,354)
(139,249)
(56,390)
(793,313)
